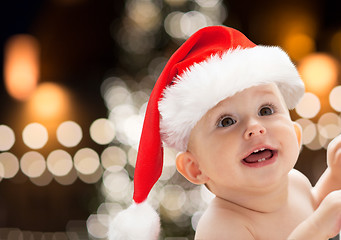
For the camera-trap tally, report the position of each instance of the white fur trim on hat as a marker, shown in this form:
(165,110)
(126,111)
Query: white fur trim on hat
(205,84)
(138,222)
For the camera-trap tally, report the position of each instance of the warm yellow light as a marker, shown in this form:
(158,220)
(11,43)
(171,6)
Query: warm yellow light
(299,45)
(49,101)
(319,73)
(336,43)
(21,66)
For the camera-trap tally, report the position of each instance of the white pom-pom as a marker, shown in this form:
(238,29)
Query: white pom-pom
(138,222)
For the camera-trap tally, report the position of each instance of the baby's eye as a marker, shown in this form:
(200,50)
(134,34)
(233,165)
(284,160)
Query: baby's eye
(226,122)
(266,111)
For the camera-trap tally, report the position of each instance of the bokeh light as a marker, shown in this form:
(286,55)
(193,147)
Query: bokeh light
(309,106)
(140,35)
(132,156)
(21,66)
(102,131)
(319,72)
(145,14)
(86,161)
(92,177)
(176,3)
(169,168)
(115,94)
(195,219)
(205,194)
(329,125)
(113,159)
(119,116)
(208,3)
(133,128)
(335,43)
(2,171)
(33,164)
(335,98)
(43,180)
(117,186)
(69,134)
(49,101)
(309,130)
(59,163)
(172,25)
(192,21)
(173,197)
(35,135)
(68,179)
(317,143)
(299,45)
(95,226)
(180,25)
(7,138)
(10,165)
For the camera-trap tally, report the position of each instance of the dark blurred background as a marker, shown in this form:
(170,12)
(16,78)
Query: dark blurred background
(75,79)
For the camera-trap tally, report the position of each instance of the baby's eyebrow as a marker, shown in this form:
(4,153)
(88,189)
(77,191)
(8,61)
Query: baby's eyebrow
(217,112)
(267,91)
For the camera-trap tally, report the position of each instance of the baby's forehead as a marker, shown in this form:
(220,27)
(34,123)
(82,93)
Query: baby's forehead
(263,90)
(268,88)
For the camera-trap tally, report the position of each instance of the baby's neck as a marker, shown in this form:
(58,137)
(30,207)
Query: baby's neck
(264,201)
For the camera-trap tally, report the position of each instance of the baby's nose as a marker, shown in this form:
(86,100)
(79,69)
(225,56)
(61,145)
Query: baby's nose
(254,129)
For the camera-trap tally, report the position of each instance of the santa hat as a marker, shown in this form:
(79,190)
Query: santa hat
(214,63)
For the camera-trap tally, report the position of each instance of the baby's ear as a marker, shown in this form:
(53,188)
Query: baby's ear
(188,166)
(298,131)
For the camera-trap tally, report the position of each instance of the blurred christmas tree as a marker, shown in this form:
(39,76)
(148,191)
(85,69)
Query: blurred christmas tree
(147,34)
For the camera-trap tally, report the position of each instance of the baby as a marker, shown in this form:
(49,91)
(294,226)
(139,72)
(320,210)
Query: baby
(244,150)
(223,102)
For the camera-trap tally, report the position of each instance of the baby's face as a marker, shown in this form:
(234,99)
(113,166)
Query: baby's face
(246,141)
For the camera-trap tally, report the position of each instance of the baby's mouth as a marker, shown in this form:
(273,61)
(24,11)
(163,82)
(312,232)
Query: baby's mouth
(258,156)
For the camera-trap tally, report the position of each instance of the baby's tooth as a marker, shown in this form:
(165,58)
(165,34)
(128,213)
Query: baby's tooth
(258,150)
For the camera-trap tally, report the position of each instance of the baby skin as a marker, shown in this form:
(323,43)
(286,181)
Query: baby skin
(244,150)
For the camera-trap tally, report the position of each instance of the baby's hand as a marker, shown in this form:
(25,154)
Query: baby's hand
(334,156)
(327,218)
(324,223)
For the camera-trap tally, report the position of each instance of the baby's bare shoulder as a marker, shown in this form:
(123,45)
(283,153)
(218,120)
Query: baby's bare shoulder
(217,222)
(301,188)
(299,180)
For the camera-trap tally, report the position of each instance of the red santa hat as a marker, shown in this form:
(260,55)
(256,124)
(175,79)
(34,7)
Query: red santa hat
(213,64)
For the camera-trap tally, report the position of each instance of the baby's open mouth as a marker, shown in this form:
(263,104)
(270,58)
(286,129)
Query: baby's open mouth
(259,156)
